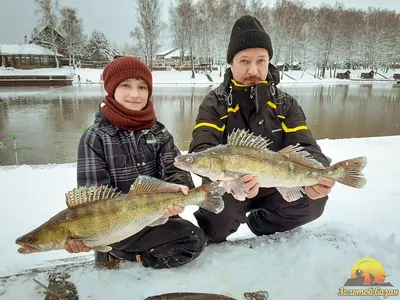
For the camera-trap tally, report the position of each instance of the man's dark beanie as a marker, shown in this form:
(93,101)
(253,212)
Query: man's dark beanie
(247,32)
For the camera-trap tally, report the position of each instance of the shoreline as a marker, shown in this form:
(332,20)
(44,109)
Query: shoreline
(183,78)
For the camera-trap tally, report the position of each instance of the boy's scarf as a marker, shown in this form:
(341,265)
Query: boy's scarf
(127,119)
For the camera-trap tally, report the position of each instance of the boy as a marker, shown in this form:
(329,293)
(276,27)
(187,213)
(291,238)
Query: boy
(126,141)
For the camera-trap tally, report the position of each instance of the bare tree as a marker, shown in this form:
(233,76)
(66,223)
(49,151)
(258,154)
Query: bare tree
(205,13)
(289,18)
(176,30)
(325,37)
(46,34)
(239,8)
(350,29)
(184,28)
(379,40)
(72,30)
(148,33)
(127,49)
(325,34)
(224,22)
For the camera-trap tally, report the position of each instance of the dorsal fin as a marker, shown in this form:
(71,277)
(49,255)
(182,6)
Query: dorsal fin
(300,156)
(244,138)
(149,185)
(85,195)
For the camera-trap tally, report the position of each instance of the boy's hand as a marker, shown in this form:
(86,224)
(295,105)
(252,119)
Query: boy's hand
(76,246)
(174,210)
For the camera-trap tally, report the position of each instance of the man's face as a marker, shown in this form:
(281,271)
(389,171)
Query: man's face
(250,66)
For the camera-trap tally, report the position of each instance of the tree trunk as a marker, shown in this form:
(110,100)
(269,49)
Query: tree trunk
(192,63)
(55,57)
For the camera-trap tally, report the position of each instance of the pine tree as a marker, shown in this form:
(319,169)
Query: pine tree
(99,48)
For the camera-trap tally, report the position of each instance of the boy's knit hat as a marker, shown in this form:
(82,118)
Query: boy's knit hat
(123,68)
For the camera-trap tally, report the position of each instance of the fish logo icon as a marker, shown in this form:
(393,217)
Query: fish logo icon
(369,275)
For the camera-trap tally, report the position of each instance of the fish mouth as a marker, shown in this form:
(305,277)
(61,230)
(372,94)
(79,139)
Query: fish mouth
(181,165)
(26,249)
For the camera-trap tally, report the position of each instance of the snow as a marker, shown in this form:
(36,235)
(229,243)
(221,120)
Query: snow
(312,262)
(173,77)
(24,49)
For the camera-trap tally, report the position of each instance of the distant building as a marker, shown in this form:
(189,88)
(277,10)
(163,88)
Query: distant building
(171,57)
(27,56)
(296,66)
(47,33)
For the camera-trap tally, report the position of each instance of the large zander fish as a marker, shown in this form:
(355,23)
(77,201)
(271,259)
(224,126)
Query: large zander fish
(288,170)
(100,216)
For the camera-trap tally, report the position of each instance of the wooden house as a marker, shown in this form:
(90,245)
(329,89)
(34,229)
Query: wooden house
(27,56)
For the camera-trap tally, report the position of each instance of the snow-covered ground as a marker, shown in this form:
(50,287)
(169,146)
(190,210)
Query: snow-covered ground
(93,76)
(310,263)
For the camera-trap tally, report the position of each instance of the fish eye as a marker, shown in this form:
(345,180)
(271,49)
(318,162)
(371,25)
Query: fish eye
(30,239)
(189,160)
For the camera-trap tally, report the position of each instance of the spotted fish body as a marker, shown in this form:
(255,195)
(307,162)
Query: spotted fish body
(99,216)
(288,170)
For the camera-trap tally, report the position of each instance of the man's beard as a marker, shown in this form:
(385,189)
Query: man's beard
(252,79)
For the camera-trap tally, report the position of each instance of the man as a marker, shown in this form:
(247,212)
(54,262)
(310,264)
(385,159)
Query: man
(248,99)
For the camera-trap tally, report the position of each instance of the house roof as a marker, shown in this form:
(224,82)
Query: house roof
(165,52)
(25,49)
(176,53)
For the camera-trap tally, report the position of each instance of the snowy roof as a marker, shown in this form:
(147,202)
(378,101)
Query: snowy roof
(176,53)
(165,52)
(24,49)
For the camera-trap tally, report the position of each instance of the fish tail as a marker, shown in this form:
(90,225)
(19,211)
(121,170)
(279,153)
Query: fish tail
(213,201)
(350,172)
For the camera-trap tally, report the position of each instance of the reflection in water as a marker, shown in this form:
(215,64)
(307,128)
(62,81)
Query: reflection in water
(48,126)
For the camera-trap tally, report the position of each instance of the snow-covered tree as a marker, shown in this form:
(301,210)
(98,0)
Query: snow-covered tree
(46,34)
(99,48)
(72,29)
(379,43)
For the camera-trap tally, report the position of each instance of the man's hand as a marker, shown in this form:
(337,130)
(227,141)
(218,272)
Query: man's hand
(76,246)
(323,188)
(252,184)
(174,210)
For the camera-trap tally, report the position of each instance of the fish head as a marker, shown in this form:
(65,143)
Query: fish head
(40,240)
(199,163)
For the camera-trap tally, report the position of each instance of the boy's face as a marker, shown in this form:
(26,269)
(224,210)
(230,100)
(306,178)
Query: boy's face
(132,94)
(250,66)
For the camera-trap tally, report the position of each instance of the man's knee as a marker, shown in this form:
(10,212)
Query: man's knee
(216,227)
(317,208)
(264,222)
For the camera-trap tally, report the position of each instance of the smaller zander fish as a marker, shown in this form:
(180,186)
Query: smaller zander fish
(288,170)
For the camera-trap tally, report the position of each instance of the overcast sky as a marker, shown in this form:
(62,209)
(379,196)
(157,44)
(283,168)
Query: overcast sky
(115,18)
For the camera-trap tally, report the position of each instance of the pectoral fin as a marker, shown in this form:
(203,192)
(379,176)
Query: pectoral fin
(237,188)
(159,221)
(291,194)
